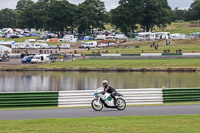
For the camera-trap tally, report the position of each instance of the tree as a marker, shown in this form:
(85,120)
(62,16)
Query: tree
(23,4)
(155,13)
(178,14)
(8,18)
(34,16)
(60,15)
(91,15)
(126,15)
(147,13)
(194,11)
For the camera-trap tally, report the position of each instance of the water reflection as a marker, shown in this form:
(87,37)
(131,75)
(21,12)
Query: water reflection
(63,81)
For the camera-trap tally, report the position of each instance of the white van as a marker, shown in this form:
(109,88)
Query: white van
(92,44)
(41,58)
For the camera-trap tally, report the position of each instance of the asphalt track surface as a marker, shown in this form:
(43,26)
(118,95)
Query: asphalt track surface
(89,112)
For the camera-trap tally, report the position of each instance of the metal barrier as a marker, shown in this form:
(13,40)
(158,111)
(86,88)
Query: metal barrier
(181,95)
(84,97)
(132,97)
(28,99)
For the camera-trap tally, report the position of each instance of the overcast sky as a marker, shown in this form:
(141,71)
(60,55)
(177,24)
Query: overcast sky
(109,3)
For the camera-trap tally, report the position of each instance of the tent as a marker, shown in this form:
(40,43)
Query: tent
(53,40)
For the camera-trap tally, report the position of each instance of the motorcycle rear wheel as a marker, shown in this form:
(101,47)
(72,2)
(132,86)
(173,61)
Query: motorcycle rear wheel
(121,104)
(97,107)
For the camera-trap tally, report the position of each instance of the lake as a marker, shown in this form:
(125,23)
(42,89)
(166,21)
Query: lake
(64,81)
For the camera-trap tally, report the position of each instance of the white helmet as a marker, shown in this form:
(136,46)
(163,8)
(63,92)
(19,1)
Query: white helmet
(105,83)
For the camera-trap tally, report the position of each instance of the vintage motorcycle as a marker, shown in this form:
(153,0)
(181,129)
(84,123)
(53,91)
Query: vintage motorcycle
(107,101)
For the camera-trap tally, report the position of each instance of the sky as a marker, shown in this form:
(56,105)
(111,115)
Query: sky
(110,4)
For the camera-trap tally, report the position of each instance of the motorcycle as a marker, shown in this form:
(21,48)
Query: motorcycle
(107,101)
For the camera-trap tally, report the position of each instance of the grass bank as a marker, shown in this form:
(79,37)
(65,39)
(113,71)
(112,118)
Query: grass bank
(187,46)
(139,124)
(137,64)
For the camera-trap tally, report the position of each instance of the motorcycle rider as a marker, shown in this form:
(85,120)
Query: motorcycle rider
(109,89)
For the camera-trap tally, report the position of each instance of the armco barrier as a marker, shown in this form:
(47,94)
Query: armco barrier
(181,95)
(84,97)
(28,99)
(132,97)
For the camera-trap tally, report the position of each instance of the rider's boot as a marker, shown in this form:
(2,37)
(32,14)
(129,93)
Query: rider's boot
(115,102)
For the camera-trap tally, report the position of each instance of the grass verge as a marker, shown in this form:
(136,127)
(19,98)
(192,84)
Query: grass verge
(165,104)
(152,63)
(134,124)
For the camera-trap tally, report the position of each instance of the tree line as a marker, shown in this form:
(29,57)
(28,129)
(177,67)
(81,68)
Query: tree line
(61,15)
(193,13)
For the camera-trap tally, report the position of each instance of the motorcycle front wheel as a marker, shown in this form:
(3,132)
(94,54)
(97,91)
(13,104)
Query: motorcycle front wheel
(97,106)
(121,104)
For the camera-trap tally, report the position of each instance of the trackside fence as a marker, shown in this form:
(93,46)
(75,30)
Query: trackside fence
(181,95)
(29,99)
(132,97)
(84,97)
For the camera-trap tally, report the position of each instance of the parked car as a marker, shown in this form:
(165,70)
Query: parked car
(1,59)
(27,59)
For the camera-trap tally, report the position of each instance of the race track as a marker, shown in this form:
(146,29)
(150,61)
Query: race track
(89,112)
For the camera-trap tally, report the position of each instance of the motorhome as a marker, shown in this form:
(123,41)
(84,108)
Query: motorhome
(92,44)
(68,38)
(41,58)
(21,45)
(65,46)
(162,35)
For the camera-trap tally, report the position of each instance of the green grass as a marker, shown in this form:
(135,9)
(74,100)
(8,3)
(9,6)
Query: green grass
(187,46)
(152,63)
(165,104)
(175,27)
(22,39)
(180,28)
(134,124)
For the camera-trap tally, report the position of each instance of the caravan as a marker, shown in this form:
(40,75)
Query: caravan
(92,44)
(178,36)
(146,36)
